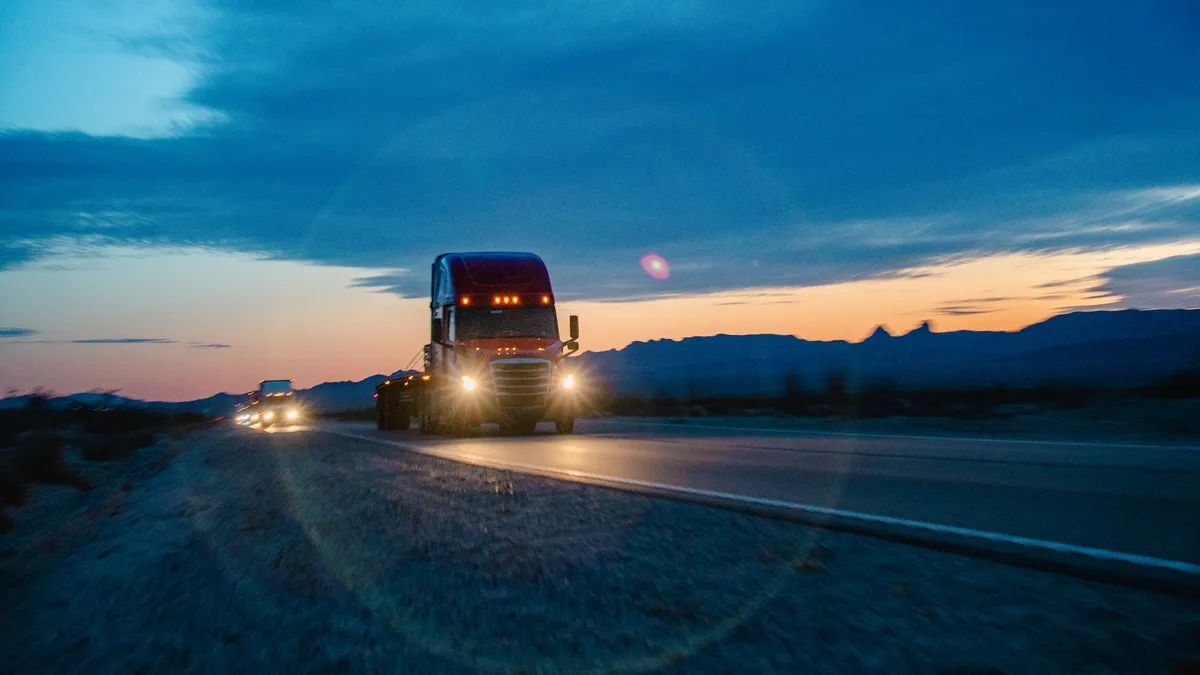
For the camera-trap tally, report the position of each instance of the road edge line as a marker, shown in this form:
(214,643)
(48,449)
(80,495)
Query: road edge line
(914,437)
(1122,569)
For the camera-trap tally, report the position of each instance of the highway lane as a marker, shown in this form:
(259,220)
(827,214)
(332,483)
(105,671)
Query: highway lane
(1132,499)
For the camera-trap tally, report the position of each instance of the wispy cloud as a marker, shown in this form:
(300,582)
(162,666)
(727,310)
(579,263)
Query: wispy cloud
(1170,283)
(22,332)
(122,341)
(962,311)
(399,281)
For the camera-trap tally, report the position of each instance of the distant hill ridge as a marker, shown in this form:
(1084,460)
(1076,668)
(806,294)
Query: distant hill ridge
(325,397)
(1124,348)
(1097,348)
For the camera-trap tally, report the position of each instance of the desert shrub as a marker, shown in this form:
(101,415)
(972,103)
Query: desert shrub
(40,459)
(37,457)
(111,447)
(14,491)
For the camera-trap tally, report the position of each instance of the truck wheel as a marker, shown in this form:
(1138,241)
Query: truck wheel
(380,414)
(402,417)
(565,425)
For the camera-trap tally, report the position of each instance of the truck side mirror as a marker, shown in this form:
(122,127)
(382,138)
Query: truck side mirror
(572,345)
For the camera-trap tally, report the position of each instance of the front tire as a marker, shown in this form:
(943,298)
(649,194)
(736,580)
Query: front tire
(425,416)
(460,428)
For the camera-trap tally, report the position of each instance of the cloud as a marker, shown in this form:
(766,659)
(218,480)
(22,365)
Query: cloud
(956,310)
(397,282)
(982,301)
(121,341)
(800,143)
(26,332)
(1170,283)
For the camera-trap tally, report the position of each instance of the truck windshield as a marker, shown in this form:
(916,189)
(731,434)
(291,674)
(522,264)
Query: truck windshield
(508,322)
(276,387)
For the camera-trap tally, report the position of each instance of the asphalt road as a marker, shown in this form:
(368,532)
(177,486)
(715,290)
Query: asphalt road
(1129,499)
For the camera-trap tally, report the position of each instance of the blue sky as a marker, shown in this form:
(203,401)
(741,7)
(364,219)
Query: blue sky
(769,145)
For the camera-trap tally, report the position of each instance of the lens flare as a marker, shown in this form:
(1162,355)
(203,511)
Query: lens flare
(656,266)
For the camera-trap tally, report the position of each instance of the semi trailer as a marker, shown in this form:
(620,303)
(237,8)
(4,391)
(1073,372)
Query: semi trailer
(494,353)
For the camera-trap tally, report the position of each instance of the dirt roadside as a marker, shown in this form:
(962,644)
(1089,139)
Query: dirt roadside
(308,553)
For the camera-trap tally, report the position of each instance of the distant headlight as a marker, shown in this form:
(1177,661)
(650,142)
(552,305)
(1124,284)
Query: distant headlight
(468,383)
(293,414)
(569,382)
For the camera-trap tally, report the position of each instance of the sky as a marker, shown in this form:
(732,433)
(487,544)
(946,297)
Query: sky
(198,195)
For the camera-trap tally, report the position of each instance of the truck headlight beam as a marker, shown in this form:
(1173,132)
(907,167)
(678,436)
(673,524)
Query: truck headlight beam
(468,383)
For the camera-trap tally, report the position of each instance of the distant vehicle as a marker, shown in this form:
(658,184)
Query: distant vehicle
(274,402)
(242,413)
(494,354)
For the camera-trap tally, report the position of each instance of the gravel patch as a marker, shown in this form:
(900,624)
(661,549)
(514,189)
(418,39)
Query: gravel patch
(304,552)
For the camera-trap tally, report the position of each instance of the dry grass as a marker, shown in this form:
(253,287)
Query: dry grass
(116,446)
(38,457)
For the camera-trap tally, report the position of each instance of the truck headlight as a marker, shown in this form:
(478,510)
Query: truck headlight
(268,416)
(293,414)
(569,382)
(468,383)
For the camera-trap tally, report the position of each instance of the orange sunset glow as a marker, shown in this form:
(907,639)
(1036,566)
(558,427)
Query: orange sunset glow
(320,328)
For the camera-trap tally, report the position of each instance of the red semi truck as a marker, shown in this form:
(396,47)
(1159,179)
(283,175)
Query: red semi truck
(494,352)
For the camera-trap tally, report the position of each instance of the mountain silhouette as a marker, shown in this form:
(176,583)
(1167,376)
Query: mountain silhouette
(1108,349)
(1125,348)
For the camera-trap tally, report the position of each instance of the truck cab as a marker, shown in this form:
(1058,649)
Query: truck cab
(494,352)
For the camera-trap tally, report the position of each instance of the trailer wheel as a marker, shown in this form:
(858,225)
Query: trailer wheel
(565,425)
(425,416)
(401,417)
(380,413)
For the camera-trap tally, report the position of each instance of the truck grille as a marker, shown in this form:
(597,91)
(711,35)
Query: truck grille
(521,383)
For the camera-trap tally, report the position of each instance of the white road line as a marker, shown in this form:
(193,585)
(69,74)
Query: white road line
(853,434)
(996,537)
